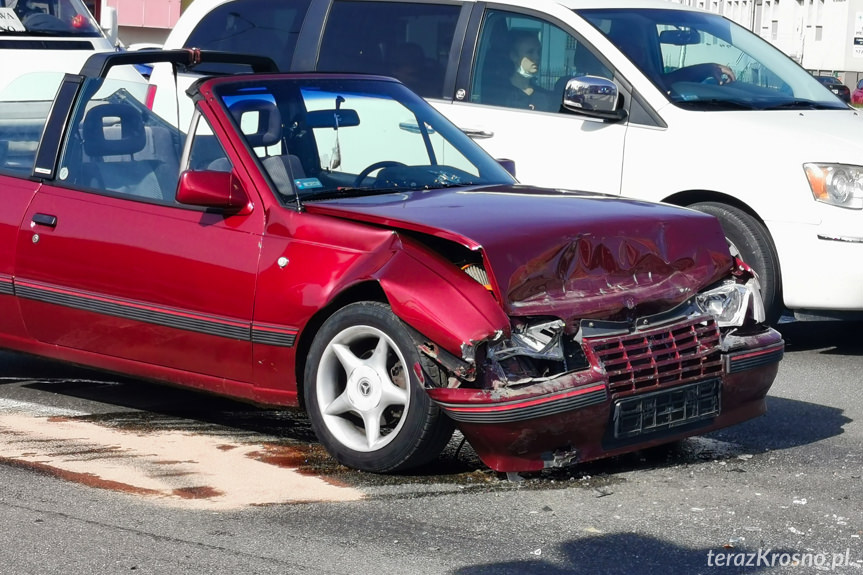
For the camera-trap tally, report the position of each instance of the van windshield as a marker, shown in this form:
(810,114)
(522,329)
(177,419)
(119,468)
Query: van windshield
(704,61)
(59,18)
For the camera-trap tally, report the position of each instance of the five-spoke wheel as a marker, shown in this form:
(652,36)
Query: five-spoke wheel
(365,402)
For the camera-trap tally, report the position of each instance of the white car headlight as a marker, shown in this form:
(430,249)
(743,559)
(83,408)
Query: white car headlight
(836,184)
(731,303)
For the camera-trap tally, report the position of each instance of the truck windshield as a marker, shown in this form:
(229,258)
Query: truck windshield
(59,18)
(704,61)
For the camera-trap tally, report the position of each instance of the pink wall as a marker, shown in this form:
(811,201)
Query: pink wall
(146,13)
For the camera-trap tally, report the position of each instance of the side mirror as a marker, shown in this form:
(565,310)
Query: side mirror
(108,23)
(508,165)
(593,96)
(210,189)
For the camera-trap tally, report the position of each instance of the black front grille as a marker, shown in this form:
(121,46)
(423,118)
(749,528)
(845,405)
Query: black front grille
(662,357)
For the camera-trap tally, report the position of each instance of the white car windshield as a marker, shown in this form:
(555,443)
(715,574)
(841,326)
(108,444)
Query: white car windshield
(59,18)
(704,61)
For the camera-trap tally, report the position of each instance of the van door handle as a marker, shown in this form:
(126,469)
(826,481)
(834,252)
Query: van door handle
(478,133)
(45,220)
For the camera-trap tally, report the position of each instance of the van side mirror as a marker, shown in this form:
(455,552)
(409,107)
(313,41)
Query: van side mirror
(593,96)
(508,165)
(108,23)
(211,189)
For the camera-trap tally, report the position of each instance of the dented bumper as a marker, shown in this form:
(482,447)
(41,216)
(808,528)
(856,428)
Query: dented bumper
(639,390)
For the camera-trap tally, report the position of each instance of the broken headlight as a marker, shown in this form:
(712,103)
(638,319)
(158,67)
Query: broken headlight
(537,349)
(539,339)
(732,303)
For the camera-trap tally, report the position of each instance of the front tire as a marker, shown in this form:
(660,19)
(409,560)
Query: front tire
(750,239)
(365,402)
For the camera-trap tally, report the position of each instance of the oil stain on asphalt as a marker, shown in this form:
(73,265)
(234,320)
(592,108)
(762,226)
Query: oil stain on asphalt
(190,450)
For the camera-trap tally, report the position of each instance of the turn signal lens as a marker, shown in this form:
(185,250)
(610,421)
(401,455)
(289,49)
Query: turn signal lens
(836,184)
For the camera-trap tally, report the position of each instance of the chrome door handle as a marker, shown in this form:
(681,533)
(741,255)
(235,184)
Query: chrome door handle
(478,133)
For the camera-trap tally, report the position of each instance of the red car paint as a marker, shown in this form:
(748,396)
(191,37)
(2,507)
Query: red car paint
(228,298)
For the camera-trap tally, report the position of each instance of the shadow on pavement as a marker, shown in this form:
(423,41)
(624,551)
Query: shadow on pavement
(832,337)
(628,553)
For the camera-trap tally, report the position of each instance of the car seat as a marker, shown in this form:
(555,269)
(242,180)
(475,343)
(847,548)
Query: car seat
(112,135)
(265,132)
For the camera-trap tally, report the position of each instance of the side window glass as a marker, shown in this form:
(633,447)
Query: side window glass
(524,62)
(119,146)
(24,108)
(408,41)
(260,27)
(205,150)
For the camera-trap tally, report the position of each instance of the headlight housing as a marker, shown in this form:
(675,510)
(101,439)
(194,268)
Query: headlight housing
(539,339)
(836,184)
(732,303)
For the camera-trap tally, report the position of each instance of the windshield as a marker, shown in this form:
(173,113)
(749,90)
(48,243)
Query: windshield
(60,18)
(327,138)
(704,61)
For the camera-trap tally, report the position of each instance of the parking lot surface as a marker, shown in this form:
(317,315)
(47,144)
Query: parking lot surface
(109,475)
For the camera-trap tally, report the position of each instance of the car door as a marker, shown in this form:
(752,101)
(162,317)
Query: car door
(24,108)
(17,194)
(550,147)
(108,263)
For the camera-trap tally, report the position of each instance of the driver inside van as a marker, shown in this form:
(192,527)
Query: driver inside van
(519,88)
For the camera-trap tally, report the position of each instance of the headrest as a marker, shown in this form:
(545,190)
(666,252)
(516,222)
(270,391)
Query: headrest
(268,130)
(102,136)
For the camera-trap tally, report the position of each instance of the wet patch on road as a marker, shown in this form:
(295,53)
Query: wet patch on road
(192,450)
(190,470)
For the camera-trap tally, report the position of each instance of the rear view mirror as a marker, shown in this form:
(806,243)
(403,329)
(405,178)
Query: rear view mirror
(212,189)
(680,37)
(593,96)
(329,118)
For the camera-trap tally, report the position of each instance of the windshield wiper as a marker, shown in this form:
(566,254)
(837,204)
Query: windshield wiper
(350,193)
(713,103)
(801,105)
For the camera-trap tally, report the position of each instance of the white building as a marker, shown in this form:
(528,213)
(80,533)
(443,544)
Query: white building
(823,36)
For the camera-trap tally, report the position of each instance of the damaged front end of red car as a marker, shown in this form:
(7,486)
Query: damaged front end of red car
(625,344)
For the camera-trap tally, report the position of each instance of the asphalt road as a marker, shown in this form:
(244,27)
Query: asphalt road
(104,475)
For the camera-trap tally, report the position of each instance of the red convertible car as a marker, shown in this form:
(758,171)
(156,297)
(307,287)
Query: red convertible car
(332,242)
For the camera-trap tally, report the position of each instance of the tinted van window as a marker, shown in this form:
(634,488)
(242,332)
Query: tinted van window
(264,27)
(524,62)
(409,41)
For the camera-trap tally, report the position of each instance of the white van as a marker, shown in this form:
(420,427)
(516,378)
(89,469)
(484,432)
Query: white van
(49,36)
(641,98)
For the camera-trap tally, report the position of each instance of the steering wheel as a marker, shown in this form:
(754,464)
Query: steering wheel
(376,166)
(43,21)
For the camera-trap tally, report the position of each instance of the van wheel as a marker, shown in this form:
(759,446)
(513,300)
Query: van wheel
(365,401)
(750,240)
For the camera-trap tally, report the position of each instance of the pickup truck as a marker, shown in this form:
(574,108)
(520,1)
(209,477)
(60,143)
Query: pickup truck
(332,242)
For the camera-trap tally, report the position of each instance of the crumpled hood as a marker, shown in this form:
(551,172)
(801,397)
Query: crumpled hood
(568,254)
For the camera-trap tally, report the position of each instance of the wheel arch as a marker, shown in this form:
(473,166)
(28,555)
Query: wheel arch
(369,290)
(768,264)
(689,197)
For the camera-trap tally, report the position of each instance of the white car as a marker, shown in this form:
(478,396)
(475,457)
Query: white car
(640,98)
(49,36)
